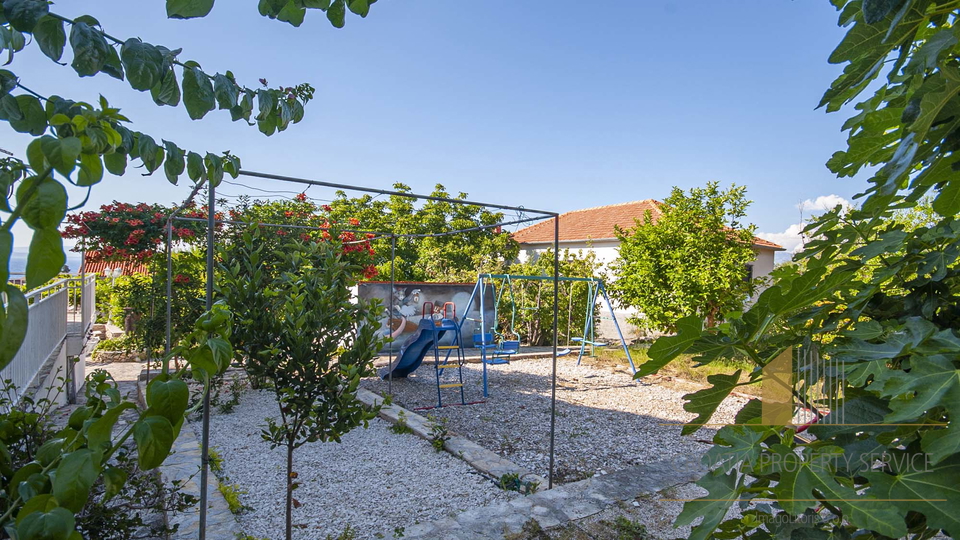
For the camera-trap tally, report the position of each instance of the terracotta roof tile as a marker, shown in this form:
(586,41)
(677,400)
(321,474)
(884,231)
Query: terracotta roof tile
(94,265)
(598,223)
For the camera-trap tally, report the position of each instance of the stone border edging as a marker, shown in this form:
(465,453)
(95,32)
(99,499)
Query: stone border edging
(485,461)
(562,504)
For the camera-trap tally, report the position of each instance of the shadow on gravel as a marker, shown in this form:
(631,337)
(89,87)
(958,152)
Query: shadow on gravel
(604,420)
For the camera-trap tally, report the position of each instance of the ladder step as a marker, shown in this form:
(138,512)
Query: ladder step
(448,347)
(451,385)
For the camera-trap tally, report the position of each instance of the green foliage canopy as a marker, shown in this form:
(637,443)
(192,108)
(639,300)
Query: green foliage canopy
(457,257)
(691,260)
(876,290)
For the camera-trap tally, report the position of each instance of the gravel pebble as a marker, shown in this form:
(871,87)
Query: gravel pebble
(373,481)
(605,420)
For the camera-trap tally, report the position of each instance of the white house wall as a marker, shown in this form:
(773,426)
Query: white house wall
(606,252)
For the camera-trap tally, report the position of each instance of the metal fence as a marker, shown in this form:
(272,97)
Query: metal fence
(53,309)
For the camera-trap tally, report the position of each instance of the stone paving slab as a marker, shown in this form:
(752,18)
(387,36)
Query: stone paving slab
(183,465)
(561,504)
(485,461)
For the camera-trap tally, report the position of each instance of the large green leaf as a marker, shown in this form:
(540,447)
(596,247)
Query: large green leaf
(188,9)
(14,324)
(875,10)
(43,202)
(195,169)
(91,170)
(174,164)
(115,162)
(90,49)
(76,473)
(154,437)
(168,397)
(930,490)
(33,119)
(932,382)
(50,36)
(198,94)
(722,493)
(735,444)
(806,480)
(226,91)
(337,13)
(665,349)
(167,91)
(6,248)
(45,258)
(24,14)
(113,480)
(56,524)
(142,63)
(61,154)
(705,402)
(100,430)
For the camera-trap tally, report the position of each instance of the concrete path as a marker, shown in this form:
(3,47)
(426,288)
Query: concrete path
(562,504)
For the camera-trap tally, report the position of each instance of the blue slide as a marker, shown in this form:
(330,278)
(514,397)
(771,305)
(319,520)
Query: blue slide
(412,353)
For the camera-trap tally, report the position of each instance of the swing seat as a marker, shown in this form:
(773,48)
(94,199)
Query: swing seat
(588,342)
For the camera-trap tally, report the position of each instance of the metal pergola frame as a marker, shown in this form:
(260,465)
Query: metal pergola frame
(211,242)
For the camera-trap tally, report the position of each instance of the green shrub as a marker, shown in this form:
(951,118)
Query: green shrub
(231,493)
(401,427)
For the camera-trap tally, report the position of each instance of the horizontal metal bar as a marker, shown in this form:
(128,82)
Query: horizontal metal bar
(539,278)
(284,226)
(389,192)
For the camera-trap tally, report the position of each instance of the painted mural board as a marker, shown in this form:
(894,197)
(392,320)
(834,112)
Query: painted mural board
(401,319)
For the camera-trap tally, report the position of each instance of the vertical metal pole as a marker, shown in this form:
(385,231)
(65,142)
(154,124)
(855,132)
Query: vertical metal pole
(393,284)
(553,390)
(205,439)
(483,336)
(167,345)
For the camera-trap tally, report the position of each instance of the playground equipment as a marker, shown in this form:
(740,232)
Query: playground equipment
(430,331)
(498,352)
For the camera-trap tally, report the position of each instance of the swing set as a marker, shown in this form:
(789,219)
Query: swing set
(497,349)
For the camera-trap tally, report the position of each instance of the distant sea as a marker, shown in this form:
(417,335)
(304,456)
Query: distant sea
(18,261)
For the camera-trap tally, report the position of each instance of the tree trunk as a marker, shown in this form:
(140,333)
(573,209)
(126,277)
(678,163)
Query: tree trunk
(290,490)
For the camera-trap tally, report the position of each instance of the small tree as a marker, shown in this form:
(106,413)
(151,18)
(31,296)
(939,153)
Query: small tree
(309,336)
(691,261)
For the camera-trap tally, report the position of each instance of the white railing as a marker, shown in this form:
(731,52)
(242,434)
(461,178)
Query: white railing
(83,301)
(46,330)
(52,309)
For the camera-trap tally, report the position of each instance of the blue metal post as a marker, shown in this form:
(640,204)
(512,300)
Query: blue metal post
(483,331)
(616,324)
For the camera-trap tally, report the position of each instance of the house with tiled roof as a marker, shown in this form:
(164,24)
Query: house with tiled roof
(594,229)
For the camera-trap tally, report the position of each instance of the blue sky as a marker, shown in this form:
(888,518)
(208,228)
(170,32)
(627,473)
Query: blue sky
(559,105)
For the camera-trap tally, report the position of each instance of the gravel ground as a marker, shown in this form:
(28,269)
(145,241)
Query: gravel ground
(374,481)
(605,420)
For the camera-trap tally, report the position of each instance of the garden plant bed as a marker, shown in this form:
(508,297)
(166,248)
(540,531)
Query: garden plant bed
(605,420)
(375,481)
